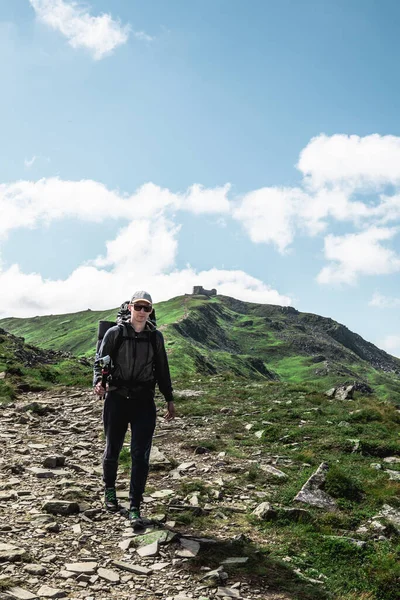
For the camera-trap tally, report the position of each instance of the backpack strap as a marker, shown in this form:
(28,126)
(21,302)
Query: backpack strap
(118,342)
(153,342)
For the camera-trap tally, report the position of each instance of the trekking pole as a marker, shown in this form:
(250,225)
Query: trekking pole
(105,363)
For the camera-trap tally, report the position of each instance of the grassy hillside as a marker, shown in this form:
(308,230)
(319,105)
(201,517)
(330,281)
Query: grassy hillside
(223,335)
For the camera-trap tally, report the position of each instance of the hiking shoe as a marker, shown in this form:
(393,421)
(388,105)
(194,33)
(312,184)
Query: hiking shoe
(134,517)
(110,500)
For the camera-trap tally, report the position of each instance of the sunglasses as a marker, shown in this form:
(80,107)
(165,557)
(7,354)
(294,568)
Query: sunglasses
(146,307)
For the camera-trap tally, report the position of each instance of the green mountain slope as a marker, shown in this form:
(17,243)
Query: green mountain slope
(223,335)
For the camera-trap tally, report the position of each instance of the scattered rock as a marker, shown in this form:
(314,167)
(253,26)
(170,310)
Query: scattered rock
(11,553)
(47,592)
(273,471)
(265,512)
(108,575)
(190,548)
(235,560)
(149,550)
(132,568)
(82,567)
(312,492)
(61,507)
(21,594)
(35,569)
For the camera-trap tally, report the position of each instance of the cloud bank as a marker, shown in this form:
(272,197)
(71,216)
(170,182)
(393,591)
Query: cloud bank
(347,181)
(143,253)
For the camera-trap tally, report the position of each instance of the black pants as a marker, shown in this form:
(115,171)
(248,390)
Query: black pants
(139,411)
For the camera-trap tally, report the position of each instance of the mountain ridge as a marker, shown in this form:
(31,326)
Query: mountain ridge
(225,335)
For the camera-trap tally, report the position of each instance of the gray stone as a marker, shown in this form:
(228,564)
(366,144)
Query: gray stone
(215,576)
(185,466)
(162,493)
(235,560)
(20,594)
(66,574)
(50,462)
(228,592)
(190,548)
(61,507)
(11,553)
(392,459)
(158,566)
(41,473)
(344,392)
(393,475)
(330,393)
(35,569)
(131,567)
(82,567)
(392,515)
(8,495)
(108,575)
(48,592)
(149,550)
(157,458)
(265,512)
(311,492)
(126,544)
(273,471)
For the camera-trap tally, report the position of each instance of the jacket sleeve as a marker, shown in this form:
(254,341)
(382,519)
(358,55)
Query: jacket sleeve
(162,369)
(106,349)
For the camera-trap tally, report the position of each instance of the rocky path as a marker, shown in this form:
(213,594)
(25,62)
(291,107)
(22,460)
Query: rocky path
(56,541)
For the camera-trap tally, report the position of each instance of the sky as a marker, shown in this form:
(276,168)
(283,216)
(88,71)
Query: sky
(252,147)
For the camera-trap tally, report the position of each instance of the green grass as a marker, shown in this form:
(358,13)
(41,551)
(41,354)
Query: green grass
(302,415)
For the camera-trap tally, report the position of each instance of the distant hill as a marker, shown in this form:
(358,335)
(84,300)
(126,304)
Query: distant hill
(223,335)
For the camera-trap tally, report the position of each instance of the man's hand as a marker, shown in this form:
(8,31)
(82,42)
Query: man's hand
(98,389)
(170,414)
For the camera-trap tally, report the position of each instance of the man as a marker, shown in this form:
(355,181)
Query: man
(139,361)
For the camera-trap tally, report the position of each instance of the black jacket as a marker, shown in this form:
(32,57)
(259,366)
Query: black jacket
(135,365)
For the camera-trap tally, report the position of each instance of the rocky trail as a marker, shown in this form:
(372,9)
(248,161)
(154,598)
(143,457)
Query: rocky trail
(57,541)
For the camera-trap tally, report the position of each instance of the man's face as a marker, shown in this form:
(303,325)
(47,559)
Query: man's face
(139,316)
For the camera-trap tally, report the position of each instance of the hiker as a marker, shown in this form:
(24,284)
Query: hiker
(139,360)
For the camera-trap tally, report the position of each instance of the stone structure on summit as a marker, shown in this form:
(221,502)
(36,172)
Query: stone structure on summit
(198,290)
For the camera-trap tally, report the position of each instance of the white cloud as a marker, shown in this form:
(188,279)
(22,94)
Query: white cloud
(141,35)
(358,254)
(142,255)
(391,343)
(379,300)
(27,295)
(351,161)
(29,162)
(100,35)
(200,200)
(268,215)
(150,246)
(146,262)
(32,203)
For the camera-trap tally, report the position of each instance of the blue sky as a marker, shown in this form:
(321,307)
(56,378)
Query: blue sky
(253,147)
